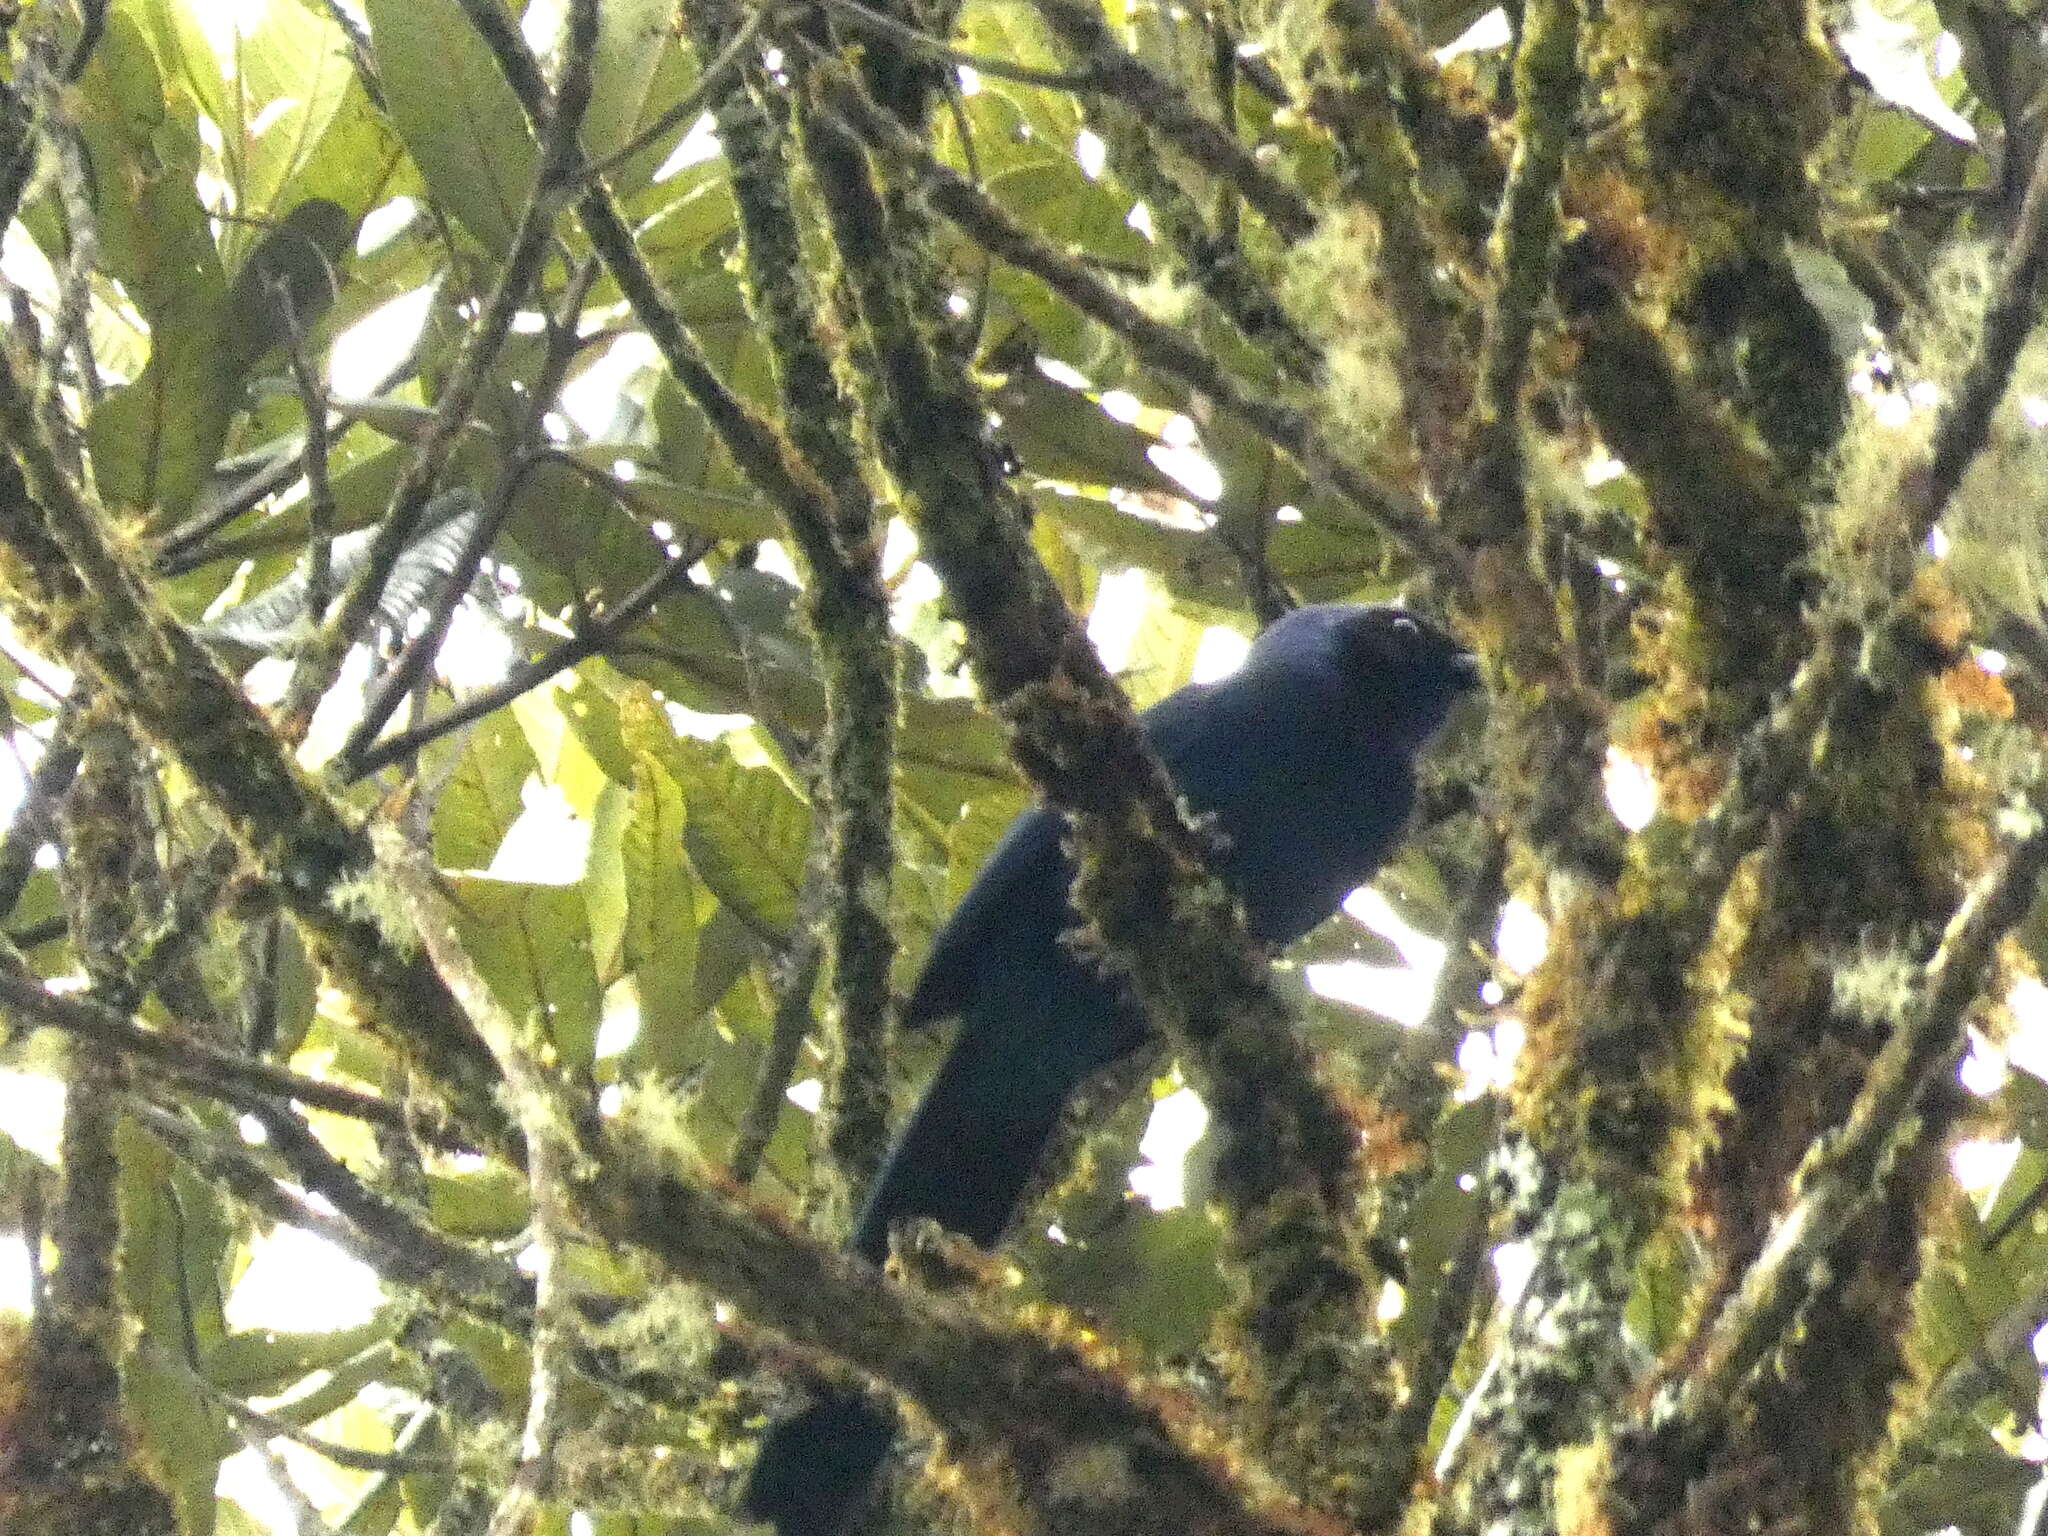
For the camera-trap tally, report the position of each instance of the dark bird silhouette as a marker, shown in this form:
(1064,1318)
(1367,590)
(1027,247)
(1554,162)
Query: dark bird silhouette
(1305,755)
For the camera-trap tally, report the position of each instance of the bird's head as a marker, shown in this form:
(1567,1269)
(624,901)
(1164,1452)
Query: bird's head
(1401,672)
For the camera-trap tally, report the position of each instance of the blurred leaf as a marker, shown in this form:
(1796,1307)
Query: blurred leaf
(532,944)
(726,946)
(1060,433)
(1973,1493)
(484,1205)
(265,1362)
(1826,285)
(458,117)
(1440,1222)
(482,799)
(153,440)
(377,1513)
(1888,45)
(292,75)
(634,40)
(175,1237)
(653,496)
(332,1390)
(266,622)
(661,933)
(604,880)
(746,830)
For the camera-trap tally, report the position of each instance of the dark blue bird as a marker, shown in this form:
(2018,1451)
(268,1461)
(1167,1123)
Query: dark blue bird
(1305,755)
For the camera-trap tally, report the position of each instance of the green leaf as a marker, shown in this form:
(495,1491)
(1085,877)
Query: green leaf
(661,931)
(1061,433)
(532,944)
(1440,1224)
(581,540)
(653,496)
(746,829)
(634,42)
(487,1204)
(264,1362)
(457,115)
(358,162)
(334,1389)
(482,799)
(175,1241)
(292,75)
(604,880)
(376,1514)
(154,439)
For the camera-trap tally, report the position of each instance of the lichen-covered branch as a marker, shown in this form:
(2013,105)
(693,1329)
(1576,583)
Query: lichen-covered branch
(1216,264)
(1845,1169)
(1523,249)
(1359,103)
(1163,105)
(2009,319)
(197,1067)
(1043,1405)
(92,607)
(404,1250)
(838,540)
(1155,343)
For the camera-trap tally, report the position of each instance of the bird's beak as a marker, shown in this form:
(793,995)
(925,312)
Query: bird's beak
(1465,671)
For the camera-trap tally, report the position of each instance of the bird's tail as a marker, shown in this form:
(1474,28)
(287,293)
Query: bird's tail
(975,1139)
(969,1150)
(814,1469)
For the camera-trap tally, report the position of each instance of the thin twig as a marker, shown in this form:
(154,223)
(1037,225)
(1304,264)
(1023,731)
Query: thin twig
(425,1261)
(717,74)
(1163,104)
(69,339)
(274,1426)
(321,514)
(194,1064)
(423,1249)
(361,51)
(554,176)
(1844,1171)
(92,27)
(1078,81)
(795,978)
(2009,319)
(423,648)
(31,827)
(596,636)
(1523,249)
(306,1519)
(1165,347)
(549,1153)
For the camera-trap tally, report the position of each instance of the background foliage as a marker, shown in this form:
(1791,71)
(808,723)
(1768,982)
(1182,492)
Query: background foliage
(1683,355)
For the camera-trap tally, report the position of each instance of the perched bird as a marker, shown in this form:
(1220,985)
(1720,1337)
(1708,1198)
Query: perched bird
(1305,756)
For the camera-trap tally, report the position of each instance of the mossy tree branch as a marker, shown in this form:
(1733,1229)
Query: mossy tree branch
(95,608)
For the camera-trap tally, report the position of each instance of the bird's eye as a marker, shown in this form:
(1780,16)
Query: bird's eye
(1406,627)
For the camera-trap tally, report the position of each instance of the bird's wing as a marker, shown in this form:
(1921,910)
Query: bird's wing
(1020,892)
(1303,813)
(1019,900)
(1207,737)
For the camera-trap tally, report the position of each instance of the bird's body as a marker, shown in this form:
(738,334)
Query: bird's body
(1305,758)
